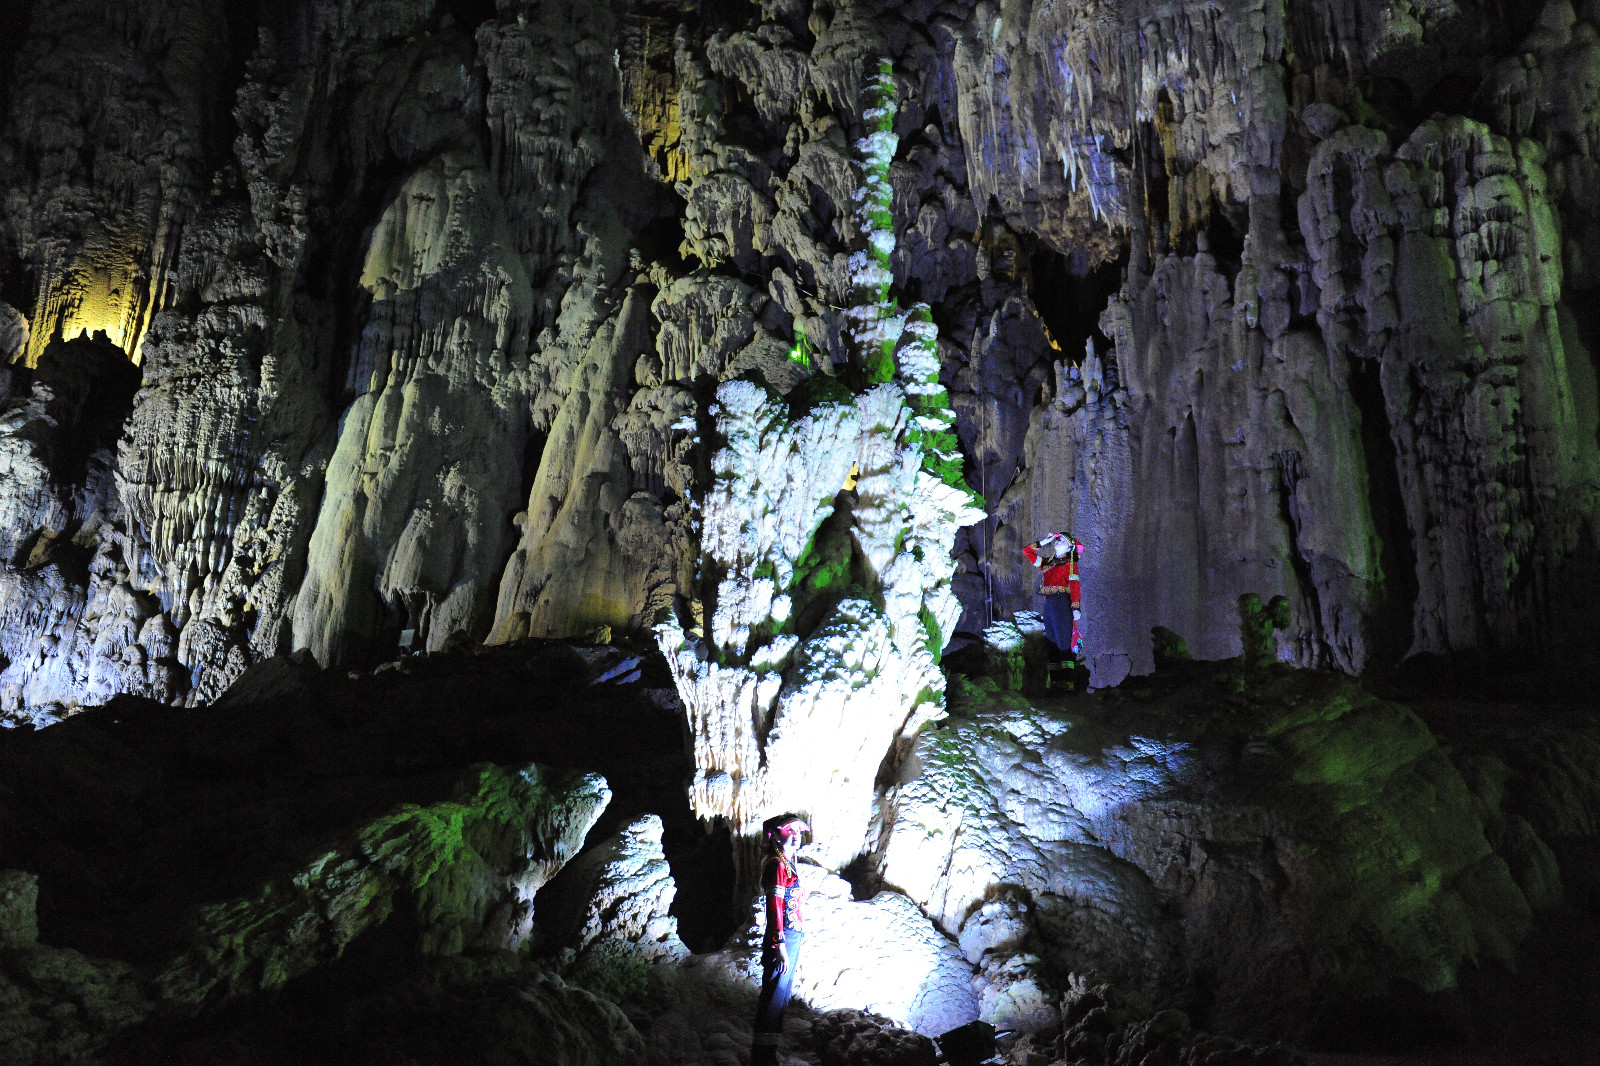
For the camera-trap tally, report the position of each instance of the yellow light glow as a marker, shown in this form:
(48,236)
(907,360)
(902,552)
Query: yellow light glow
(103,289)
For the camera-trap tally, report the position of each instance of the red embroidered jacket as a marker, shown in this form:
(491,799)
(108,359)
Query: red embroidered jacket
(782,884)
(1060,576)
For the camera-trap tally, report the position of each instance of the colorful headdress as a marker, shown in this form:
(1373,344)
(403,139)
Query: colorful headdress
(785,826)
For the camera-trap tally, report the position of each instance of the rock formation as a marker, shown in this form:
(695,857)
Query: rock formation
(427,857)
(1011,836)
(543,237)
(761,337)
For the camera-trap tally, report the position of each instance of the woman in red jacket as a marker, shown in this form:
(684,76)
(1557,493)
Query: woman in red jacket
(1057,556)
(780,955)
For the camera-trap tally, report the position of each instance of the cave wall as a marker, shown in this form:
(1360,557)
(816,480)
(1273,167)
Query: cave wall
(430,303)
(1346,363)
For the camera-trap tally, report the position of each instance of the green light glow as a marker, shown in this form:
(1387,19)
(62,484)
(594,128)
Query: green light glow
(801,352)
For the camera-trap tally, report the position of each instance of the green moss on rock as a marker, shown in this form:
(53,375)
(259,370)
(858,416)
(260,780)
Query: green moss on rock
(1309,845)
(457,863)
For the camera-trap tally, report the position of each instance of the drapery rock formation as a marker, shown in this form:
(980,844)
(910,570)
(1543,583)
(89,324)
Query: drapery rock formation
(1335,346)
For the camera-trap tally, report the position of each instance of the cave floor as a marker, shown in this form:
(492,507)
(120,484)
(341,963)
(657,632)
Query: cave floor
(135,813)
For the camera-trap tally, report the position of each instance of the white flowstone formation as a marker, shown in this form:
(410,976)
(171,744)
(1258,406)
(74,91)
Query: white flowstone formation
(790,716)
(786,720)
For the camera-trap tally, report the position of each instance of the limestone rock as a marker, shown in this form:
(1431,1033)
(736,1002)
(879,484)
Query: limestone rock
(777,725)
(19,898)
(1011,987)
(311,824)
(1356,596)
(286,293)
(470,867)
(78,630)
(855,1038)
(1051,858)
(1463,277)
(612,907)
(420,522)
(880,955)
(587,555)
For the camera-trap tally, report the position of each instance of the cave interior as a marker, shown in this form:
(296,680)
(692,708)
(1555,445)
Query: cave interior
(467,465)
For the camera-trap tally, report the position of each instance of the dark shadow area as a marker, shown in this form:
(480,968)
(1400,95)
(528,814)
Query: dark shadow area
(831,569)
(92,384)
(726,15)
(134,814)
(1586,326)
(1390,633)
(85,394)
(864,877)
(1544,1006)
(1405,85)
(623,180)
(309,1020)
(467,15)
(332,276)
(1291,469)
(1406,1020)
(532,456)
(1449,95)
(1150,169)
(1476,675)
(1397,103)
(1070,298)
(16,16)
(661,241)
(237,39)
(965,654)
(16,287)
(706,906)
(1225,241)
(1551,999)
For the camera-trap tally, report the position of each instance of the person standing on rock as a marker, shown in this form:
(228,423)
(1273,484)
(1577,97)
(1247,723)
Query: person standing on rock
(1057,555)
(780,954)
